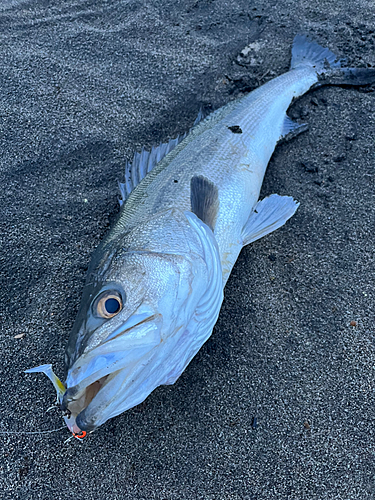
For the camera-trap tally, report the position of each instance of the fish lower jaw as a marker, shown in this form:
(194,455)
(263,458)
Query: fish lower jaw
(72,425)
(81,401)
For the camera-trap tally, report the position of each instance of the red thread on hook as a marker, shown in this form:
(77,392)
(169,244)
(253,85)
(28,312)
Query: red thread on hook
(79,436)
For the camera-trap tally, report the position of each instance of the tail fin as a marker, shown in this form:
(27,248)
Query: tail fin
(305,52)
(329,68)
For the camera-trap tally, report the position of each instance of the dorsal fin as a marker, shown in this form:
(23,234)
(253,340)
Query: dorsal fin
(306,52)
(142,164)
(145,161)
(204,200)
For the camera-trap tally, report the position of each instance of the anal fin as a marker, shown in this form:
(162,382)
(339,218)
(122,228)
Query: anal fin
(291,129)
(269,214)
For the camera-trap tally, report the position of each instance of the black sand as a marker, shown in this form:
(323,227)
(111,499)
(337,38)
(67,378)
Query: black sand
(279,403)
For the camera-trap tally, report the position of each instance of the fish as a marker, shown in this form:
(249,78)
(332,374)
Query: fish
(155,284)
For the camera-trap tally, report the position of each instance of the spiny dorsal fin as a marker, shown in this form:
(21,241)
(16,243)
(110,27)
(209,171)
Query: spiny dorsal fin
(145,161)
(204,200)
(142,164)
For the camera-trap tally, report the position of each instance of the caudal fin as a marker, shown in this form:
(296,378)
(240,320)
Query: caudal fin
(305,52)
(330,69)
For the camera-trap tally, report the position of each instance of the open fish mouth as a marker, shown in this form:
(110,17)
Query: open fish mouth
(75,405)
(92,405)
(79,402)
(109,395)
(105,381)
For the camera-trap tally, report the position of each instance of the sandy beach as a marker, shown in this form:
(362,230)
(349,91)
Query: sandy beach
(279,403)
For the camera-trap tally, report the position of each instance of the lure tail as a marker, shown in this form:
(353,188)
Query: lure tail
(330,69)
(47,370)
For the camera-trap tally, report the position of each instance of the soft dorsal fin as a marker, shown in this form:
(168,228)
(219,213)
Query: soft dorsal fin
(145,161)
(306,52)
(204,200)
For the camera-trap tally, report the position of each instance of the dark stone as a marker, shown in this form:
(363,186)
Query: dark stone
(340,158)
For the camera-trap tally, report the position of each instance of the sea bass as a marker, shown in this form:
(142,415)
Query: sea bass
(155,284)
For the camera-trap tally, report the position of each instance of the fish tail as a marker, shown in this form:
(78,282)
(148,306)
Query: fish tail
(329,68)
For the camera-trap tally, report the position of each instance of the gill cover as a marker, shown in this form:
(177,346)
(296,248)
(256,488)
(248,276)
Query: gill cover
(203,319)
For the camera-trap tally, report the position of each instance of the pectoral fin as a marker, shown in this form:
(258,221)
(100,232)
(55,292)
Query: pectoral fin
(204,200)
(269,214)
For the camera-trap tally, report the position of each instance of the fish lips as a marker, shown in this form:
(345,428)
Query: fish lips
(97,380)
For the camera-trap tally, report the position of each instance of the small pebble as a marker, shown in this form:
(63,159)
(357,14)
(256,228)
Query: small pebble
(304,112)
(351,136)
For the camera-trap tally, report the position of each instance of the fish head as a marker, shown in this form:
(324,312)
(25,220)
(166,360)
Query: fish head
(132,331)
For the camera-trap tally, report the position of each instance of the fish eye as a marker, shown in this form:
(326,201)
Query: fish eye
(108,304)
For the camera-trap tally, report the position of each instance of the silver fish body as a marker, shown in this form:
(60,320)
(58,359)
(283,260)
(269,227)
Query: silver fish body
(155,285)
(234,162)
